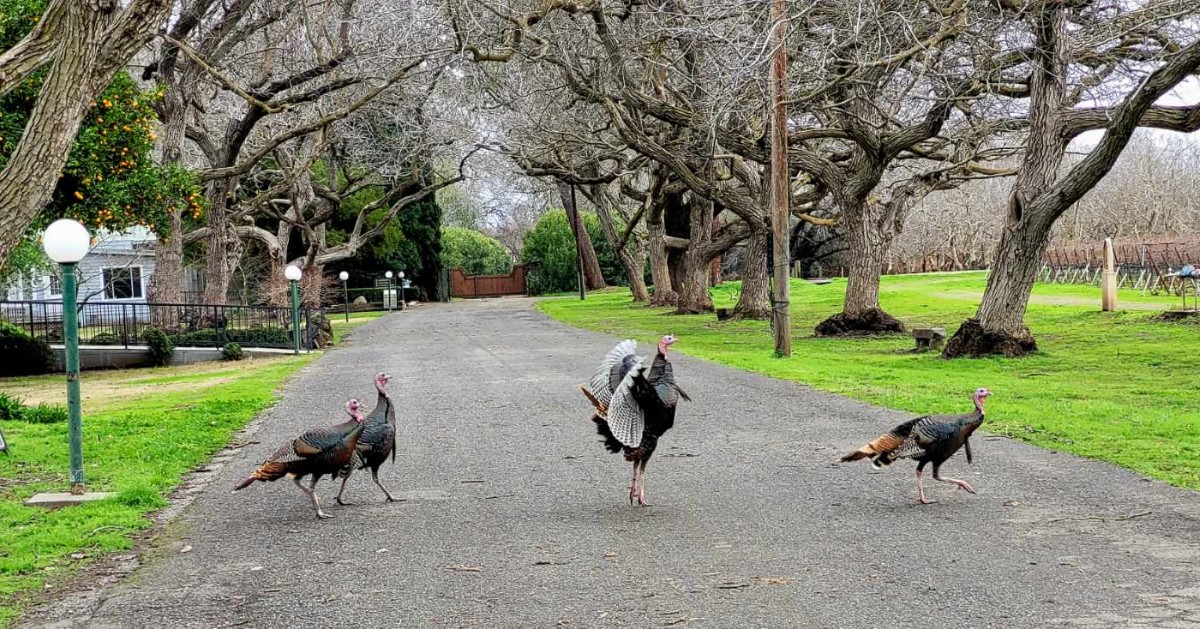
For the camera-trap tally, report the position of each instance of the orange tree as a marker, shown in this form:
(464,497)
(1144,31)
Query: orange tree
(110,180)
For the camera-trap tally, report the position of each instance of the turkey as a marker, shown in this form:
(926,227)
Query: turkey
(316,453)
(635,405)
(930,439)
(378,441)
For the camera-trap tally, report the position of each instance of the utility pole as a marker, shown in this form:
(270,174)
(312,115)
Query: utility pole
(780,188)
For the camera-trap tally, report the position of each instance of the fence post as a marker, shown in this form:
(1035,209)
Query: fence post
(125,325)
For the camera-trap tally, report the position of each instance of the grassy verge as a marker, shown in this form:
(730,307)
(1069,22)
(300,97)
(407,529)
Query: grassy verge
(144,429)
(1113,386)
(341,327)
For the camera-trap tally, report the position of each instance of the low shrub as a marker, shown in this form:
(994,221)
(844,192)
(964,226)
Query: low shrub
(22,354)
(10,406)
(160,345)
(44,414)
(232,351)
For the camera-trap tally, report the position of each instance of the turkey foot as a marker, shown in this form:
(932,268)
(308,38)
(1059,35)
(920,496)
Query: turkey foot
(375,477)
(641,499)
(962,484)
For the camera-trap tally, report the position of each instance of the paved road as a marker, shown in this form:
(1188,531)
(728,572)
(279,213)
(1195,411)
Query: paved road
(516,517)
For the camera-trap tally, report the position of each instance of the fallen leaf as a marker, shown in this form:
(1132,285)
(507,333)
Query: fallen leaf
(610,554)
(771,580)
(464,568)
(185,549)
(78,556)
(732,585)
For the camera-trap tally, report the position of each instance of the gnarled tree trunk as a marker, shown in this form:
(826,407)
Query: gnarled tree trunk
(592,274)
(166,285)
(660,269)
(869,242)
(754,302)
(224,244)
(693,292)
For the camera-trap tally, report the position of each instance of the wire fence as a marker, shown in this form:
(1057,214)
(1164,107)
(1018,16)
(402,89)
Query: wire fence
(1147,266)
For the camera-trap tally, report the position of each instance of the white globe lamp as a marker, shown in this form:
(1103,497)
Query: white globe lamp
(66,241)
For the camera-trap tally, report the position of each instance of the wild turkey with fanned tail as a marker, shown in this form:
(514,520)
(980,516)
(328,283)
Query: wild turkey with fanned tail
(318,452)
(635,405)
(378,441)
(930,439)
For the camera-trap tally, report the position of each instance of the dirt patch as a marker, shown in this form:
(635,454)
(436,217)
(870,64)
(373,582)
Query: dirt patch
(99,389)
(1064,300)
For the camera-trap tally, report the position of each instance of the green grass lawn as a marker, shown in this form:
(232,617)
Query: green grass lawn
(1112,386)
(341,327)
(144,429)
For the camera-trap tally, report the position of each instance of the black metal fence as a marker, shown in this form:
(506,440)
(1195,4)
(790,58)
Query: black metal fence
(188,325)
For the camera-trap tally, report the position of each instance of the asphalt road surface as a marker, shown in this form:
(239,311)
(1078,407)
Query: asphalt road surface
(515,516)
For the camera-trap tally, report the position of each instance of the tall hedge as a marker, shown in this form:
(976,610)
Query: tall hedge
(473,252)
(550,247)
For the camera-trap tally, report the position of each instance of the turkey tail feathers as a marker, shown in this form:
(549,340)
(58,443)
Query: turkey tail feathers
(856,455)
(880,451)
(601,408)
(269,471)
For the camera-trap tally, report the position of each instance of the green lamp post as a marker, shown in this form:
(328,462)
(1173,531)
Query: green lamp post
(66,242)
(345,293)
(403,304)
(293,275)
(391,296)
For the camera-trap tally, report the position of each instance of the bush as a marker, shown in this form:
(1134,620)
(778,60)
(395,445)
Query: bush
(232,351)
(550,247)
(10,407)
(44,414)
(161,346)
(473,252)
(23,355)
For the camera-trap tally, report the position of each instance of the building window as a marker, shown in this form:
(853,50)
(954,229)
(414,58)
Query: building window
(123,283)
(55,286)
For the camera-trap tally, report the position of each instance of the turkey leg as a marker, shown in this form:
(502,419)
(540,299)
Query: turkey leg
(341,491)
(633,483)
(962,484)
(921,487)
(321,515)
(375,477)
(641,494)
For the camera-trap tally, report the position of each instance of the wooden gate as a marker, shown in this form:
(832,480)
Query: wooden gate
(463,285)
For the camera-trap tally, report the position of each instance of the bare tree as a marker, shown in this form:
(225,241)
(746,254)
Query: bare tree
(1041,193)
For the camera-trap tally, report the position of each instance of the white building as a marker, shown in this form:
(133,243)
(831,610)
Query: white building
(117,269)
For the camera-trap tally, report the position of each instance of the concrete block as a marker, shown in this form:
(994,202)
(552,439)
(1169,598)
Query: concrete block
(52,500)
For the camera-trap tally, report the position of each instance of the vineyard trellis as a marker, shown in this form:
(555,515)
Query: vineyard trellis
(1143,265)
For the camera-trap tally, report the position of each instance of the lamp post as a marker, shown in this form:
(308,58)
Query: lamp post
(403,304)
(345,293)
(391,296)
(293,275)
(66,242)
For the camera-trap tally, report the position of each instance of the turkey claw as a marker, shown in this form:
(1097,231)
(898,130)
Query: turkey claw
(343,503)
(321,515)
